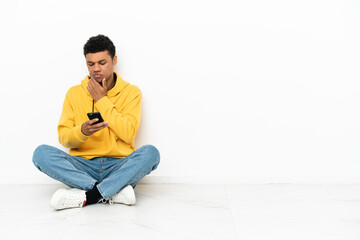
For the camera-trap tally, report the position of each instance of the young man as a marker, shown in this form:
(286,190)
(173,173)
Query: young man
(103,165)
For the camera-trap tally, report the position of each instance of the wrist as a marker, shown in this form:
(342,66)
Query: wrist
(97,99)
(83,130)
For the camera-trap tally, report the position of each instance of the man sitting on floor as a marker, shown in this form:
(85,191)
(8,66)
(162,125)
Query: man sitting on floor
(102,165)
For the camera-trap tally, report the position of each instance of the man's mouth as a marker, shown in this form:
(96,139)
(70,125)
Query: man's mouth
(97,75)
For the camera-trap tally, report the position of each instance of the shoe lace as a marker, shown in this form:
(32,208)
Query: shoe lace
(103,200)
(118,197)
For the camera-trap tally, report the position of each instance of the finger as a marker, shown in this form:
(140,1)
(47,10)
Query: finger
(94,83)
(95,129)
(91,83)
(104,84)
(92,121)
(100,125)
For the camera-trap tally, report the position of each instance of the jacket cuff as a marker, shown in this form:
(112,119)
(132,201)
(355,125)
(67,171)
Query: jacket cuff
(79,135)
(104,103)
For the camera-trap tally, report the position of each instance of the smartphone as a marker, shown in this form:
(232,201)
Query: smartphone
(97,115)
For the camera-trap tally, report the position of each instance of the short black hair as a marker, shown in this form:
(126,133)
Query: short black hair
(99,43)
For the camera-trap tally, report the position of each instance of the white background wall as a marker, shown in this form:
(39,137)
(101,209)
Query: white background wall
(233,91)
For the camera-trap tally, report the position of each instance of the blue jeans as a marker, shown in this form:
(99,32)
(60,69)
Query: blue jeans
(111,174)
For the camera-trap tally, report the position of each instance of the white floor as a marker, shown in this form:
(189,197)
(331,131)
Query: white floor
(168,211)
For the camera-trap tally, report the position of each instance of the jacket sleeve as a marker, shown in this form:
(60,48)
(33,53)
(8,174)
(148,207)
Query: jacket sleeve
(123,120)
(70,135)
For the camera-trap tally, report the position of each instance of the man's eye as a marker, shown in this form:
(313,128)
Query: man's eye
(103,63)
(90,64)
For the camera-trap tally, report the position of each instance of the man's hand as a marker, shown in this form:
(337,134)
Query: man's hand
(96,90)
(88,128)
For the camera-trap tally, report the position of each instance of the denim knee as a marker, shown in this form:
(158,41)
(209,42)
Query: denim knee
(38,155)
(153,154)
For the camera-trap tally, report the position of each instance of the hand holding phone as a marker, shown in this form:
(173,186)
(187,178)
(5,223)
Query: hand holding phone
(90,127)
(93,115)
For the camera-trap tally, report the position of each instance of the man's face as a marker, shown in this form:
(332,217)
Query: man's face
(100,65)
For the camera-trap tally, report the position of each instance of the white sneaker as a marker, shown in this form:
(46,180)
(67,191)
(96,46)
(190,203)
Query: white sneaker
(124,196)
(72,198)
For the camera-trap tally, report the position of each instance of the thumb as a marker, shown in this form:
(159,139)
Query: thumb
(104,84)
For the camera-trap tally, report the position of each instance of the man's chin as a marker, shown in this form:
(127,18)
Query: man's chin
(98,80)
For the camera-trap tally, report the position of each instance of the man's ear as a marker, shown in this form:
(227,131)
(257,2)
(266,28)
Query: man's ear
(115,60)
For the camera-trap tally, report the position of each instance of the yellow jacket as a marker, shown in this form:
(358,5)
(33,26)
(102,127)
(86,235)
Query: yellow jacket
(121,108)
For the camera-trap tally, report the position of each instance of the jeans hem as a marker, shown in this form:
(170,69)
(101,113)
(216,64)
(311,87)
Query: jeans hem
(102,193)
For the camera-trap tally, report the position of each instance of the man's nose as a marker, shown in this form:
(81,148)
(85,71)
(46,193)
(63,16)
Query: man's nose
(96,67)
